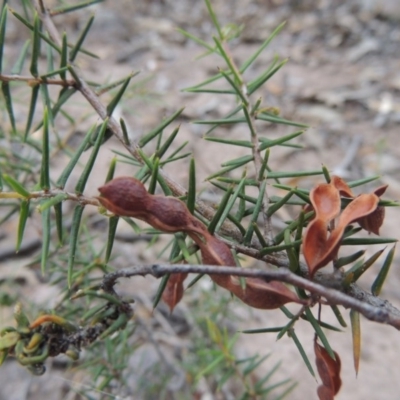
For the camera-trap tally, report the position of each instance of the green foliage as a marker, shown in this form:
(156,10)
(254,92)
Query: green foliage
(72,261)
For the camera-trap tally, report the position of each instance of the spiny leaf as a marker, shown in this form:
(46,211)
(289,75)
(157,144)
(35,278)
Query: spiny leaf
(112,229)
(115,101)
(303,354)
(80,186)
(23,216)
(152,134)
(191,196)
(16,186)
(3,22)
(214,18)
(64,56)
(256,212)
(277,120)
(356,335)
(73,53)
(260,80)
(44,171)
(5,89)
(67,9)
(46,234)
(19,64)
(73,241)
(35,46)
(381,277)
(74,159)
(342,261)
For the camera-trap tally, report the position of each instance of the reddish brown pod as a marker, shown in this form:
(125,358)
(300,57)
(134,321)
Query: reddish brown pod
(125,196)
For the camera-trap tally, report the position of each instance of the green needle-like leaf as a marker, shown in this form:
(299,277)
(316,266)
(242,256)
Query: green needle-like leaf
(111,170)
(73,53)
(23,216)
(73,161)
(254,56)
(160,290)
(35,46)
(277,120)
(191,196)
(354,273)
(125,132)
(356,335)
(5,89)
(274,249)
(214,18)
(341,262)
(267,143)
(265,76)
(236,88)
(59,221)
(152,134)
(319,332)
(112,229)
(367,241)
(339,316)
(117,98)
(80,186)
(46,234)
(230,142)
(255,214)
(275,207)
(67,9)
(73,241)
(154,176)
(3,23)
(380,279)
(31,27)
(303,354)
(44,205)
(19,64)
(291,252)
(44,171)
(64,56)
(16,186)
(218,215)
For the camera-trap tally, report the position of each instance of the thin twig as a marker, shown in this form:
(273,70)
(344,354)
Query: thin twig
(371,307)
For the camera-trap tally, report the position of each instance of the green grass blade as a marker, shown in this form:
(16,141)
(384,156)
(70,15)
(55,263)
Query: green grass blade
(80,186)
(73,53)
(380,279)
(73,241)
(45,168)
(74,159)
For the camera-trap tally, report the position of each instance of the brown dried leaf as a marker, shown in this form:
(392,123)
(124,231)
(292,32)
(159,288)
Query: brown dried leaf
(342,186)
(173,292)
(329,372)
(263,295)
